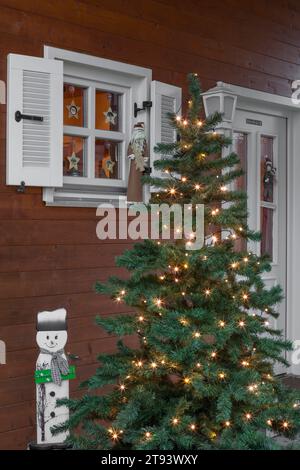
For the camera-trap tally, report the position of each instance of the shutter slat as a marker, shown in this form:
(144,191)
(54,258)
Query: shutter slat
(39,154)
(166,99)
(35,148)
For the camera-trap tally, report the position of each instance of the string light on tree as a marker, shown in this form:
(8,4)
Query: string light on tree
(196,315)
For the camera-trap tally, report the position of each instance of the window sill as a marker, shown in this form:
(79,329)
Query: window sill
(76,197)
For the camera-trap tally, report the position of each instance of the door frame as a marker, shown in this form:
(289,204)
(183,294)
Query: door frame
(281,106)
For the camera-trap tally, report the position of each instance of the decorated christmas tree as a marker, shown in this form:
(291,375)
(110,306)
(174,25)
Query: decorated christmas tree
(202,376)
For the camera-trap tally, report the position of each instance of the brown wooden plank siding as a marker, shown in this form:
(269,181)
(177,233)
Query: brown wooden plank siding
(50,257)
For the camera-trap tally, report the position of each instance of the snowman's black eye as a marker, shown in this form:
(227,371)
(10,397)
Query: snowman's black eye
(47,337)
(56,337)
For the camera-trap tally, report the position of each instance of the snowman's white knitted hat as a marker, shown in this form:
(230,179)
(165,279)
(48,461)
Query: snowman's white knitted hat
(52,321)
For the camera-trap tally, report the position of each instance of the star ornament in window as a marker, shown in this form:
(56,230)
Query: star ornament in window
(73,161)
(110,116)
(73,109)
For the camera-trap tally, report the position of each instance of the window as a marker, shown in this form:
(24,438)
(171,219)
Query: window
(70,120)
(95,137)
(98,99)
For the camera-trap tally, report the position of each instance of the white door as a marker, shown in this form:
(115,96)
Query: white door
(260,141)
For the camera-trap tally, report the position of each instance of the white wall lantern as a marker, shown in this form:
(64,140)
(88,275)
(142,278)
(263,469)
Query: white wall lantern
(222,100)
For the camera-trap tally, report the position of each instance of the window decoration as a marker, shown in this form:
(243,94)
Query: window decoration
(74,105)
(269,174)
(106,159)
(138,155)
(107,110)
(73,156)
(268,206)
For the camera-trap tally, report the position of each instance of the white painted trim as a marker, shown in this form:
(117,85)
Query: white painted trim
(99,62)
(261,96)
(253,100)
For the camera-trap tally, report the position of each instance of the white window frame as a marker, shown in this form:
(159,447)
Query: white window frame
(133,82)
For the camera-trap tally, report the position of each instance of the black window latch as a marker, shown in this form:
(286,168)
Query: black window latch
(19,116)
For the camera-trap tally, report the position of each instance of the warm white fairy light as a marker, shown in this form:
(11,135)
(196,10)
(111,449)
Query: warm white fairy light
(207,292)
(227,424)
(269,422)
(213,354)
(118,299)
(122,387)
(185,266)
(199,123)
(176,269)
(196,334)
(285,424)
(198,365)
(222,375)
(193,427)
(184,179)
(214,238)
(162,278)
(245,260)
(172,191)
(123,292)
(153,365)
(187,380)
(178,118)
(215,211)
(248,416)
(245,296)
(185,122)
(222,323)
(183,294)
(252,388)
(233,236)
(242,323)
(148,435)
(158,302)
(223,189)
(197,187)
(245,363)
(234,265)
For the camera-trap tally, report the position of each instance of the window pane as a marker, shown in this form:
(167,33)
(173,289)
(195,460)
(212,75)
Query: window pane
(107,159)
(74,156)
(240,147)
(107,111)
(267,178)
(266,221)
(74,105)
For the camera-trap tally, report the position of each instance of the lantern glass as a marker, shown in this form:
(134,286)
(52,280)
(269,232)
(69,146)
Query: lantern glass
(228,107)
(213,104)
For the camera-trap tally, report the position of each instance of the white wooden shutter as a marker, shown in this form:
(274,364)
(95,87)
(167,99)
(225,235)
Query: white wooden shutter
(165,99)
(34,148)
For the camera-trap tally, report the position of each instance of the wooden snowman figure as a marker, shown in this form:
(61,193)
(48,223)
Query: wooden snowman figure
(52,375)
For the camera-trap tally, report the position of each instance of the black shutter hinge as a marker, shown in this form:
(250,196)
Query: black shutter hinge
(145,105)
